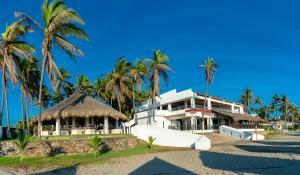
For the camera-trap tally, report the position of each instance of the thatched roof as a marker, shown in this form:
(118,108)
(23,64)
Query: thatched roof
(240,117)
(80,105)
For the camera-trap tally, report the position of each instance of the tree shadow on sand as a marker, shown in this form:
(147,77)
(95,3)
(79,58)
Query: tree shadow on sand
(248,164)
(71,170)
(159,166)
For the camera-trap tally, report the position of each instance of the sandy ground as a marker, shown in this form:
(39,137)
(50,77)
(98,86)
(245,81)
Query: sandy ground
(280,155)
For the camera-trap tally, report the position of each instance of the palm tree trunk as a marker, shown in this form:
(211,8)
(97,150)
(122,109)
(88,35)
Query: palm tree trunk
(285,118)
(205,106)
(133,104)
(23,111)
(40,99)
(2,102)
(7,115)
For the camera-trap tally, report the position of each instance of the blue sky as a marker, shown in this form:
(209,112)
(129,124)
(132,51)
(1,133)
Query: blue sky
(256,43)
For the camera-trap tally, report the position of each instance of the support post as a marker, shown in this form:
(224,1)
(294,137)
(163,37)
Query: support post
(57,126)
(87,122)
(208,103)
(193,105)
(93,121)
(67,122)
(106,131)
(117,123)
(73,122)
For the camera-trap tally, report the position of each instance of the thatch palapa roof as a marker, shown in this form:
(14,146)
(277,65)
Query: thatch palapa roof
(80,105)
(240,117)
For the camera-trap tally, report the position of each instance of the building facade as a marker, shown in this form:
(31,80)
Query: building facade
(186,110)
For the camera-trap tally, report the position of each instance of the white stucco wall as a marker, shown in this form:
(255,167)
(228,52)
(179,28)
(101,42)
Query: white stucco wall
(239,134)
(168,137)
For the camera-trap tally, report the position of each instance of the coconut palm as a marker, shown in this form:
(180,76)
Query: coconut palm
(100,89)
(157,68)
(284,108)
(28,76)
(137,73)
(119,83)
(12,48)
(210,67)
(59,22)
(275,103)
(247,98)
(63,84)
(84,84)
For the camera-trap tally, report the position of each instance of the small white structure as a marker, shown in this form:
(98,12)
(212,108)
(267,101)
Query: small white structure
(168,137)
(242,134)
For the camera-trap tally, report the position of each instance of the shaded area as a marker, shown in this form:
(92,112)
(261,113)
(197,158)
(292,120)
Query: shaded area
(269,149)
(279,143)
(159,166)
(59,171)
(248,164)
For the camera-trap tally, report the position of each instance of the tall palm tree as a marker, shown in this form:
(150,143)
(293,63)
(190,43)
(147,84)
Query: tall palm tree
(100,89)
(247,98)
(28,76)
(12,48)
(63,84)
(275,103)
(210,67)
(137,73)
(119,82)
(59,22)
(84,84)
(285,108)
(158,67)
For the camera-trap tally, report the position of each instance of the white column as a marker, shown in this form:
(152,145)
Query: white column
(93,121)
(232,108)
(208,103)
(169,107)
(87,122)
(106,131)
(57,126)
(185,104)
(73,122)
(193,102)
(67,122)
(193,123)
(117,123)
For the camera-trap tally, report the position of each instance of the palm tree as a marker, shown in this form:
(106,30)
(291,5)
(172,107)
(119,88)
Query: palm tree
(59,22)
(247,98)
(285,108)
(12,48)
(118,82)
(275,102)
(100,89)
(63,84)
(137,73)
(158,67)
(28,76)
(84,84)
(210,67)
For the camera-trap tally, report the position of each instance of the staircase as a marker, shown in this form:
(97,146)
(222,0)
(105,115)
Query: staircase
(217,138)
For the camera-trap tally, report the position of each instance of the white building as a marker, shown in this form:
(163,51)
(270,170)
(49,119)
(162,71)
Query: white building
(185,111)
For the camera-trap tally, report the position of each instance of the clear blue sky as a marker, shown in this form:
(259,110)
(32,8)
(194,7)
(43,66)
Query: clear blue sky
(256,43)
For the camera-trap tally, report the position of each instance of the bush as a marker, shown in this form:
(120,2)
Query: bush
(21,141)
(97,144)
(150,142)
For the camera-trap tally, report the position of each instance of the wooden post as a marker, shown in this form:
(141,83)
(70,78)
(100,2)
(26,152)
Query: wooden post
(93,121)
(67,122)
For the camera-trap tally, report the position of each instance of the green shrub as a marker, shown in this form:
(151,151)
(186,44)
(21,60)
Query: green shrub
(21,141)
(150,142)
(95,143)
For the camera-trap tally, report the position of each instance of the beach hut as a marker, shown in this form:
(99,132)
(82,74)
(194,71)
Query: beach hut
(81,114)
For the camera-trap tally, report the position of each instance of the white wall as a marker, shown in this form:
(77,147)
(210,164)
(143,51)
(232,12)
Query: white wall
(239,134)
(168,137)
